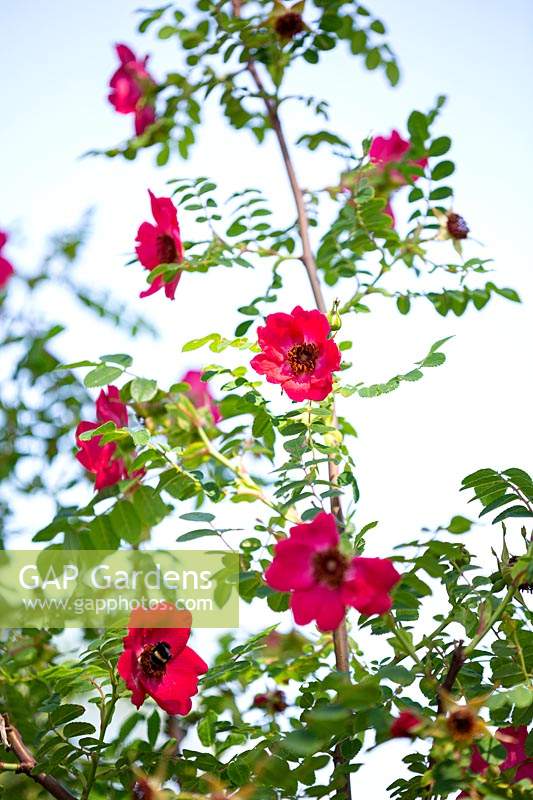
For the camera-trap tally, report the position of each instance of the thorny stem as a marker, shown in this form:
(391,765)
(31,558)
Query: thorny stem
(340,636)
(456,664)
(460,653)
(27,762)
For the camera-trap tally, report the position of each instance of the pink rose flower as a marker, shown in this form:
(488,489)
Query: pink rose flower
(297,353)
(323,581)
(160,244)
(514,741)
(200,394)
(6,268)
(130,87)
(392,150)
(102,460)
(110,408)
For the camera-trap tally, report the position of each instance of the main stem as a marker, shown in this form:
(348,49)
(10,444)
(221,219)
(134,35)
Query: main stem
(27,762)
(340,635)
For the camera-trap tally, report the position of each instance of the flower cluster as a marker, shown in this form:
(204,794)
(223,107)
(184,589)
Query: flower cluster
(102,460)
(132,88)
(323,581)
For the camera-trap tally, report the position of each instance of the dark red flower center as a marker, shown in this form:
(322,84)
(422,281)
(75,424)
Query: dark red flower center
(461,723)
(289,25)
(166,249)
(154,659)
(329,567)
(302,357)
(457,227)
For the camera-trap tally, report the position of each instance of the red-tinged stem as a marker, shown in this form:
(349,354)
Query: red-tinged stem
(340,636)
(27,762)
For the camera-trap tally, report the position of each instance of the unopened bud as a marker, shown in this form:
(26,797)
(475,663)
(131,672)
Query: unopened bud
(334,318)
(457,227)
(289,25)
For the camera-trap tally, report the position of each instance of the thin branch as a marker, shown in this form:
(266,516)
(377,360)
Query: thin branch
(303,220)
(340,636)
(27,763)
(456,664)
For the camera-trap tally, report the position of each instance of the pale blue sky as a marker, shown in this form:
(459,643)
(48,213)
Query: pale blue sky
(415,445)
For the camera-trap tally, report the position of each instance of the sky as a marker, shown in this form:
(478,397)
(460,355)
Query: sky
(415,445)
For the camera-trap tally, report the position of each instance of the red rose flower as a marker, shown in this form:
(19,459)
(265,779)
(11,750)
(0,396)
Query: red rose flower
(110,408)
(160,244)
(514,741)
(200,394)
(130,85)
(6,268)
(323,581)
(298,354)
(391,150)
(405,724)
(157,662)
(101,460)
(144,117)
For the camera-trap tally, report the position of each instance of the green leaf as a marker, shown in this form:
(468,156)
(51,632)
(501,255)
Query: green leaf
(514,511)
(154,726)
(236,228)
(74,729)
(206,728)
(459,524)
(442,170)
(123,359)
(397,674)
(404,304)
(143,389)
(65,713)
(392,72)
(417,125)
(440,146)
(197,534)
(102,376)
(198,516)
(303,742)
(194,344)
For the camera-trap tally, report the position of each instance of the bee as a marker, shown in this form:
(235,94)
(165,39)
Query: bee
(153,660)
(160,655)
